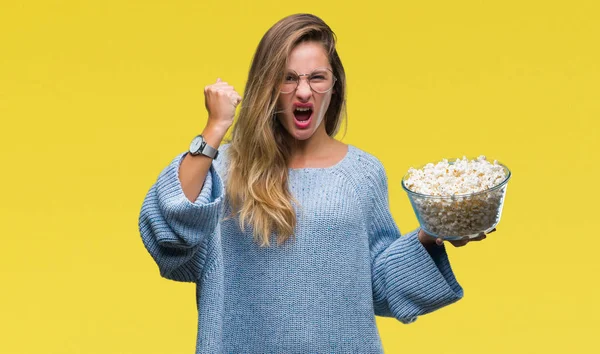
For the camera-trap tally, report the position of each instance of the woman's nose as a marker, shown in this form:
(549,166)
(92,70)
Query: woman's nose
(303,91)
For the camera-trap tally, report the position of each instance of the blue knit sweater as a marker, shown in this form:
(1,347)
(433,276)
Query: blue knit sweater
(319,292)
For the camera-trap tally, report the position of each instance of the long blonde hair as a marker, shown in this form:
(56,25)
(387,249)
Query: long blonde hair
(257,184)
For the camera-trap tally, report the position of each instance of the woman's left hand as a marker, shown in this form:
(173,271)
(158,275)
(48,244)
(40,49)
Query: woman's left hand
(428,240)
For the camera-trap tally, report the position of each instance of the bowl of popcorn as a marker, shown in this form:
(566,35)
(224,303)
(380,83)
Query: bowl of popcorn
(457,198)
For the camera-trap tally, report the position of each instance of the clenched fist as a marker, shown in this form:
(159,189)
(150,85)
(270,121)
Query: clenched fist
(221,100)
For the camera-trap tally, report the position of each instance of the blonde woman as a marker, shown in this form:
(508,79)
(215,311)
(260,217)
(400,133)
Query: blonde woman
(286,231)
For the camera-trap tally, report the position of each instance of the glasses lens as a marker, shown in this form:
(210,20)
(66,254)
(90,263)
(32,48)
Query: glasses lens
(290,82)
(321,80)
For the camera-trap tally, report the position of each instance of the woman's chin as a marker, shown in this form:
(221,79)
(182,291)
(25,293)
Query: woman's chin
(299,133)
(303,134)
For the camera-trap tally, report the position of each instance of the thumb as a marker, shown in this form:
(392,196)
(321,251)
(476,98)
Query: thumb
(218,79)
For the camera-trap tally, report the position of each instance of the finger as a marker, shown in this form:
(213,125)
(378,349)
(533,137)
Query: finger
(221,86)
(460,243)
(479,238)
(221,90)
(235,98)
(218,79)
(218,87)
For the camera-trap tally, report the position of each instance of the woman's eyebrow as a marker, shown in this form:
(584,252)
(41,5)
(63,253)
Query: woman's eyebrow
(319,71)
(314,71)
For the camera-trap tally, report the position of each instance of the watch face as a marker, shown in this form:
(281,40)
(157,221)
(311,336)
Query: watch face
(196,144)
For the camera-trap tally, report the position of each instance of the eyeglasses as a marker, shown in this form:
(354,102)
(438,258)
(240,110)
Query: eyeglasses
(321,80)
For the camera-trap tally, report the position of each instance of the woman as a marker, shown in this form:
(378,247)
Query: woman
(338,259)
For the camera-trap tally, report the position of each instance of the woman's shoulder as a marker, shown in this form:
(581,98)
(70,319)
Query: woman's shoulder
(365,172)
(357,163)
(364,163)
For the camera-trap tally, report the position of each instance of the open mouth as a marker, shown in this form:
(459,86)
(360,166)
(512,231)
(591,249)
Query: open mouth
(302,114)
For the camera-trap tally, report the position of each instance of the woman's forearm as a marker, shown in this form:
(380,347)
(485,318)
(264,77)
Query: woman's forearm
(193,169)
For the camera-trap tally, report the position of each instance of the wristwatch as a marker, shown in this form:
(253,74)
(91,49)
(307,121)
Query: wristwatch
(199,146)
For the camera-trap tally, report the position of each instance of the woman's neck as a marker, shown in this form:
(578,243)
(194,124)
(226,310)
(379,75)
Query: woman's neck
(315,146)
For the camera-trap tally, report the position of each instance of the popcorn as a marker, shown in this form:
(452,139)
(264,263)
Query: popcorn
(455,202)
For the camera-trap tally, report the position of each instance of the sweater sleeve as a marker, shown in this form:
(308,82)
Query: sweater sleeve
(173,229)
(408,280)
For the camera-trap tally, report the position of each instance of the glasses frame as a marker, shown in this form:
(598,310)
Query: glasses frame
(308,81)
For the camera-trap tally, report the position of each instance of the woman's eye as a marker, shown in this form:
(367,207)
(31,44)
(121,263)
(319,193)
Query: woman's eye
(290,78)
(318,77)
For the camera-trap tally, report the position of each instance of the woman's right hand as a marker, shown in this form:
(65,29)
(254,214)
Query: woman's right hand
(221,100)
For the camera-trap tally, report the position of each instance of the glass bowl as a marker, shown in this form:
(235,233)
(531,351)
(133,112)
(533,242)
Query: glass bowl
(462,215)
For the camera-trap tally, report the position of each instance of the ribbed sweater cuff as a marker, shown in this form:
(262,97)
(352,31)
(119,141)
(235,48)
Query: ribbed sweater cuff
(418,281)
(190,222)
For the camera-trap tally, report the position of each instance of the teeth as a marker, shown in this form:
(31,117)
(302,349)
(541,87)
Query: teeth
(302,109)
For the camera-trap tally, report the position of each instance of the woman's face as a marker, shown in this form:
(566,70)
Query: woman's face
(302,110)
